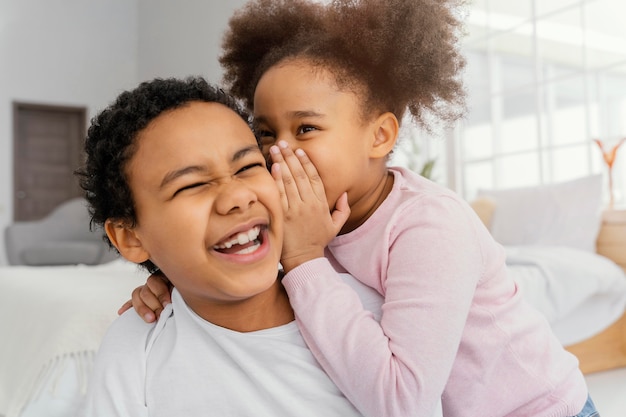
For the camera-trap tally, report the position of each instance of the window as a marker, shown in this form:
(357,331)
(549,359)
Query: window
(544,77)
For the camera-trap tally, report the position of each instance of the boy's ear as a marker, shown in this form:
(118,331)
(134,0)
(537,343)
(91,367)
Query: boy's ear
(386,129)
(125,239)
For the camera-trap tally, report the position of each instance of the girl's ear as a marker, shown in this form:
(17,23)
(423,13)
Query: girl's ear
(385,135)
(125,239)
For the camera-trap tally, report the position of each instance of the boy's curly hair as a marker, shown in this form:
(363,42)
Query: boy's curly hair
(401,54)
(111,141)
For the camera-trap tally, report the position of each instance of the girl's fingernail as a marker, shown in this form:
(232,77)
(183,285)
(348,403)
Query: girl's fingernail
(299,152)
(275,150)
(282,144)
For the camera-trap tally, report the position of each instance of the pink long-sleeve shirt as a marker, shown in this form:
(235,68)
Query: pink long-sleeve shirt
(454,326)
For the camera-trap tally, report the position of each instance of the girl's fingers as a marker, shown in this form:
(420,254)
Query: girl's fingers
(289,184)
(341,212)
(296,182)
(278,178)
(300,177)
(126,306)
(314,179)
(160,287)
(147,309)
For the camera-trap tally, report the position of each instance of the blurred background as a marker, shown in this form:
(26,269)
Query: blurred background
(544,78)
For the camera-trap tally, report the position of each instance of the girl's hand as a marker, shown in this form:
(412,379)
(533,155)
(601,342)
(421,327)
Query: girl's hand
(148,300)
(309,223)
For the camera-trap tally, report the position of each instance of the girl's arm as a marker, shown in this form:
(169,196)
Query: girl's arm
(431,264)
(401,365)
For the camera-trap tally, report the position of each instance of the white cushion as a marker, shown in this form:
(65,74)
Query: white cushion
(580,293)
(563,214)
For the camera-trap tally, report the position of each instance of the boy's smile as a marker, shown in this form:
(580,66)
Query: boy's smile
(208,211)
(242,242)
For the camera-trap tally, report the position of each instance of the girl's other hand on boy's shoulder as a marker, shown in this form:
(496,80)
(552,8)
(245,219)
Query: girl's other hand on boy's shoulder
(149,299)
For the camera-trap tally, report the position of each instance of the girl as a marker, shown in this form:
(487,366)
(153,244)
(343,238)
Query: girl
(333,82)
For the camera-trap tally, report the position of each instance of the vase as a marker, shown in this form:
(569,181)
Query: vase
(609,159)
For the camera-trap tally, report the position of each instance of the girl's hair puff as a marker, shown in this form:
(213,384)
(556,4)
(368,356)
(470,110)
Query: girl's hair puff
(400,54)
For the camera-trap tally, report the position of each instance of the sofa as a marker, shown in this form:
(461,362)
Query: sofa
(64,237)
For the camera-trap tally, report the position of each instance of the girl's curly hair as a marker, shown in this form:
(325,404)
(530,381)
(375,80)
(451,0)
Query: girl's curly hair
(401,54)
(111,142)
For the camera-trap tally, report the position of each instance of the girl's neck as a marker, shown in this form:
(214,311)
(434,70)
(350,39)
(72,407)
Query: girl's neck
(370,202)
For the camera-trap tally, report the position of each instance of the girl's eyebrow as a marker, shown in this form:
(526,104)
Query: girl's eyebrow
(306,113)
(291,114)
(172,175)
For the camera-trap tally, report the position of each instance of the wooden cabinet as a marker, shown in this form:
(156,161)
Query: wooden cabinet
(612,237)
(607,349)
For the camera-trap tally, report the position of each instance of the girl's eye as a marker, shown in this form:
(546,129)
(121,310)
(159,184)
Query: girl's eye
(266,141)
(306,129)
(264,136)
(261,133)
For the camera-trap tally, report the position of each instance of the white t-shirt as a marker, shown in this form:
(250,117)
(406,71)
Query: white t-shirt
(186,366)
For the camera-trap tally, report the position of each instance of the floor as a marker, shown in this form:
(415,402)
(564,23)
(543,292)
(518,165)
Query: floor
(608,390)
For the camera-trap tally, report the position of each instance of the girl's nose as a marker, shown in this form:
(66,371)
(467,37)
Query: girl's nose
(235,196)
(289,139)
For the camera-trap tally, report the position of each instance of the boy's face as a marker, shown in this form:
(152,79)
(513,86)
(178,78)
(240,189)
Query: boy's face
(303,106)
(208,211)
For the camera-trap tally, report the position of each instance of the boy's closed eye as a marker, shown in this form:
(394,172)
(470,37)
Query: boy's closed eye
(250,166)
(202,183)
(189,187)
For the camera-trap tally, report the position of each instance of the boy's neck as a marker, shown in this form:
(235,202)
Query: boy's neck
(264,311)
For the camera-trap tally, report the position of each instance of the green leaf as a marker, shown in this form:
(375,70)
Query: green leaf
(427,169)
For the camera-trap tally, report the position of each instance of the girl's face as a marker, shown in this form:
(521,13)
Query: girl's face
(208,211)
(303,106)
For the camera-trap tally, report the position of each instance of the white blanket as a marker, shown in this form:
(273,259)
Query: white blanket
(53,314)
(580,293)
(54,317)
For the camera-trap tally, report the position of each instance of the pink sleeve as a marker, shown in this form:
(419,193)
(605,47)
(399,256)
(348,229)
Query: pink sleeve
(400,366)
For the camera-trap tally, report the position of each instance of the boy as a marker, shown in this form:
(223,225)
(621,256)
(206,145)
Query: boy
(176,177)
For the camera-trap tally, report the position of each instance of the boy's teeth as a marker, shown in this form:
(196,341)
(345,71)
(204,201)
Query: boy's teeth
(249,249)
(241,238)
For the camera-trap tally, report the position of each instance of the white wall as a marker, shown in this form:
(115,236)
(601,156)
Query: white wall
(181,38)
(84,52)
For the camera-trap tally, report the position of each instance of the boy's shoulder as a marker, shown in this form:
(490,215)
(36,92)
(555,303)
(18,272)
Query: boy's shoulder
(119,375)
(128,334)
